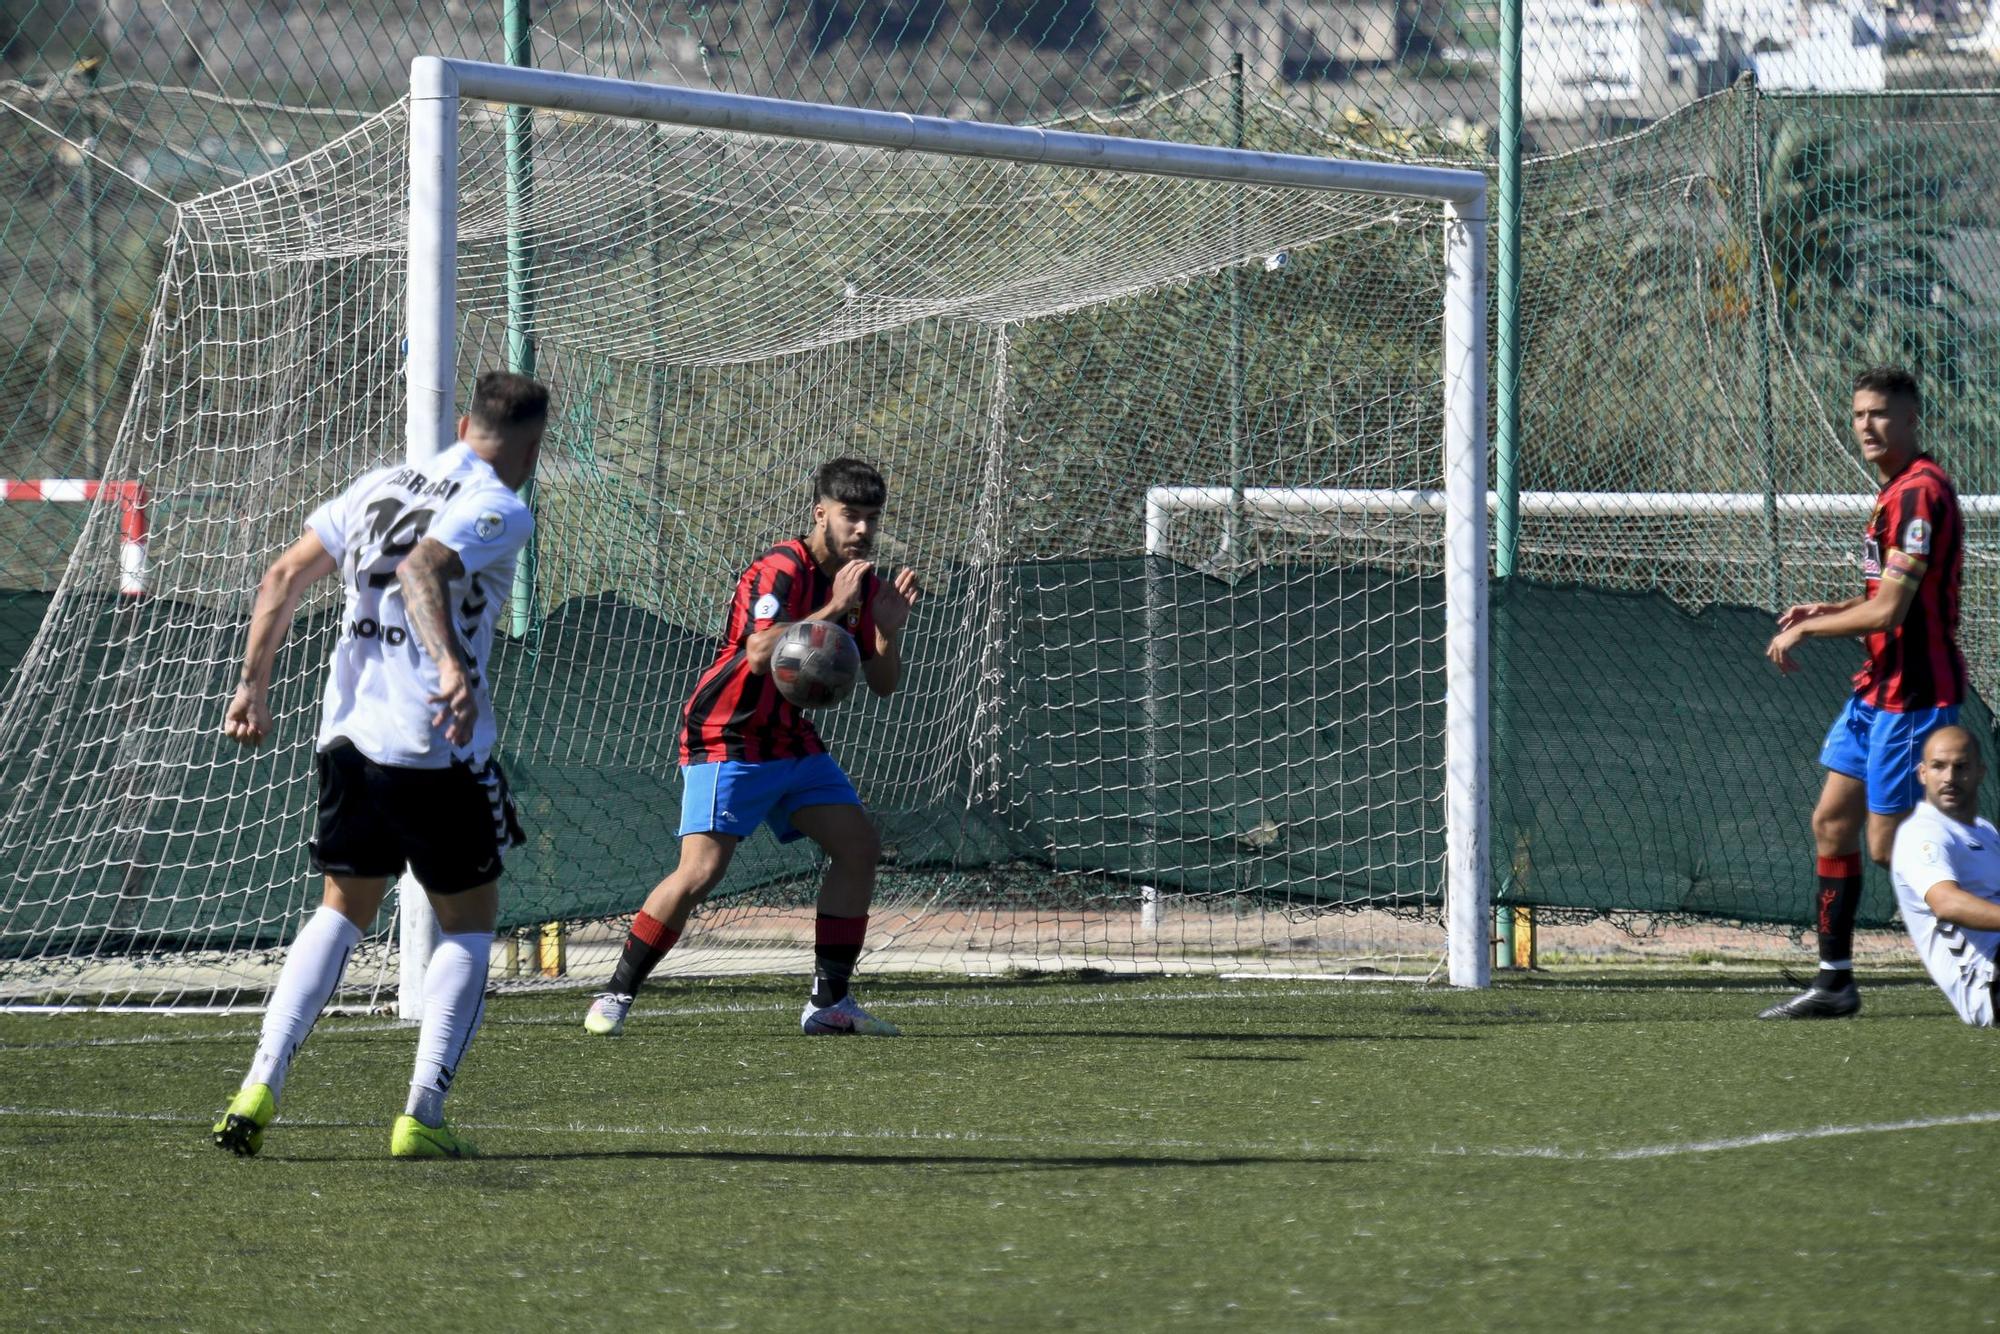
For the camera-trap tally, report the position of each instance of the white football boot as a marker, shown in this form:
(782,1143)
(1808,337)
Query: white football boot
(844,1016)
(607,1014)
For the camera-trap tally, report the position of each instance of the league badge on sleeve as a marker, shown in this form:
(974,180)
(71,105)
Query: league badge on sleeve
(1916,538)
(767,608)
(488,526)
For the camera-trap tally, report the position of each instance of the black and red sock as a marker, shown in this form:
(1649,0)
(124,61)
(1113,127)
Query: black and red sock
(1839,902)
(836,945)
(645,945)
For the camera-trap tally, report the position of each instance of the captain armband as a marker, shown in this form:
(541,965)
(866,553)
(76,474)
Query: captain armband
(1903,567)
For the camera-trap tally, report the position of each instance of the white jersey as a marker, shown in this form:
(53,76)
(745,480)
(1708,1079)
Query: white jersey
(379,684)
(1932,847)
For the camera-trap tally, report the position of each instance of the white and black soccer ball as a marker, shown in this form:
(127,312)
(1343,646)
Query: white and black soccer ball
(815,664)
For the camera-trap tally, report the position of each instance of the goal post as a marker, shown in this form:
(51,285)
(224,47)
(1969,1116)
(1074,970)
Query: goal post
(439,85)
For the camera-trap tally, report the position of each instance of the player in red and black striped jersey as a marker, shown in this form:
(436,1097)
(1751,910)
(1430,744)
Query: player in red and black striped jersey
(736,713)
(749,758)
(1910,685)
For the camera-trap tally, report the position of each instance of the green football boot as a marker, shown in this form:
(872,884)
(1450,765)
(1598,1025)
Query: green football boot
(413,1139)
(241,1129)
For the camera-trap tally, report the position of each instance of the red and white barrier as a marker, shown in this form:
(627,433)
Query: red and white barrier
(131,498)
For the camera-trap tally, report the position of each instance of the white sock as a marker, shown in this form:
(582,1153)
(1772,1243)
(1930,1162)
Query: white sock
(312,970)
(454,1003)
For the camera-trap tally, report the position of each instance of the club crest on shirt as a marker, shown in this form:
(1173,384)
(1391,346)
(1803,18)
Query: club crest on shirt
(1916,538)
(488,526)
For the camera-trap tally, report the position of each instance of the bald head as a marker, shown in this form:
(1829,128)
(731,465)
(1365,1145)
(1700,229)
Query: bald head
(1953,739)
(1951,772)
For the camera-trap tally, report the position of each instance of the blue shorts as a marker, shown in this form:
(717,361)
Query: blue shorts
(1881,748)
(734,797)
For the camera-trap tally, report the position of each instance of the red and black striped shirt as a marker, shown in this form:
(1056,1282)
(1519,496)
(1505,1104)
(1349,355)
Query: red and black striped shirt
(735,715)
(1917,665)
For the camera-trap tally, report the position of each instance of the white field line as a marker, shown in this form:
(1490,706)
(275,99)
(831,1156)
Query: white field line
(1686,1148)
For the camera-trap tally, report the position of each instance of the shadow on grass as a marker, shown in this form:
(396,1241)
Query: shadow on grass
(1114,1034)
(974,1161)
(913,982)
(1692,981)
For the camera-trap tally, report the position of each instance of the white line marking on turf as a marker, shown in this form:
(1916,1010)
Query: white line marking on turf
(974,1137)
(1757,1141)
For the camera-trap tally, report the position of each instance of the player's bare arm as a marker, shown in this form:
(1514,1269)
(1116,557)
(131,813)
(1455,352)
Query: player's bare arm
(248,720)
(891,612)
(844,598)
(1953,903)
(1806,611)
(1885,611)
(425,576)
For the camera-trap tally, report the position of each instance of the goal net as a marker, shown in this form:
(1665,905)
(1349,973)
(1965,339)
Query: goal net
(1107,754)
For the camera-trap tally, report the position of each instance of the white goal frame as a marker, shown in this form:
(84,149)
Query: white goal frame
(439,85)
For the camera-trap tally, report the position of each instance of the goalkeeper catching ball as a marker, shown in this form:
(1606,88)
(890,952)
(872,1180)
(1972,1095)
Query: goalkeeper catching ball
(750,758)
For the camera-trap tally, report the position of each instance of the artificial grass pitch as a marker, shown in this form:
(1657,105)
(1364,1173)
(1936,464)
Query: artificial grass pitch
(1138,1154)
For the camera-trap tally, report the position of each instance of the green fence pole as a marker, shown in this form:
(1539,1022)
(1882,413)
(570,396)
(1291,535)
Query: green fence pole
(520,268)
(93,319)
(1759,277)
(1232,521)
(1507,406)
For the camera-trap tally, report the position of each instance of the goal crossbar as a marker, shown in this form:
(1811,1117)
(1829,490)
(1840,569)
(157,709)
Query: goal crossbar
(438,86)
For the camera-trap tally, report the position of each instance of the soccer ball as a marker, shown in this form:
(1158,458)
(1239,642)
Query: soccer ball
(815,664)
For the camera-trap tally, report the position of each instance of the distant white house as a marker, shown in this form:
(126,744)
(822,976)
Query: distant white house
(1591,59)
(1638,60)
(1839,47)
(1987,40)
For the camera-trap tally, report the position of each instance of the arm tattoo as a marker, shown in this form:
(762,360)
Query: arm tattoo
(425,575)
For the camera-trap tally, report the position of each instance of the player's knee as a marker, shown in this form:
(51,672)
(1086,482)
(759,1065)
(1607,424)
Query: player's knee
(1835,829)
(703,862)
(694,881)
(470,911)
(858,849)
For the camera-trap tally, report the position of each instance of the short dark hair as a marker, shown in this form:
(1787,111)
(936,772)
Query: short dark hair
(851,482)
(1891,382)
(506,401)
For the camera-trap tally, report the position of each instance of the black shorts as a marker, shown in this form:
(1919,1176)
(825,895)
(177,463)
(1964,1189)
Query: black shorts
(450,826)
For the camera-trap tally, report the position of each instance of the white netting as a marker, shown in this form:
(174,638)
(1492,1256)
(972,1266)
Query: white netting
(1099,759)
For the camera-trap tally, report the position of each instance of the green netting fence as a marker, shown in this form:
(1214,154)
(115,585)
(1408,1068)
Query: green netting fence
(1704,262)
(1644,771)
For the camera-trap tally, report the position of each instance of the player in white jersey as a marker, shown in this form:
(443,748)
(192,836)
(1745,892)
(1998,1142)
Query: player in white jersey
(1946,869)
(426,554)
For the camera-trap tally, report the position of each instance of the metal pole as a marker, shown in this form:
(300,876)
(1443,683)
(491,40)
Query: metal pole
(428,417)
(519,23)
(1232,520)
(1760,282)
(1468,889)
(1153,675)
(92,317)
(743,114)
(1507,405)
